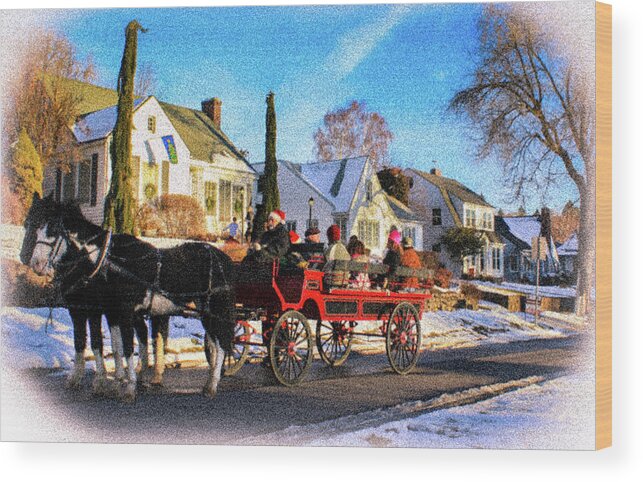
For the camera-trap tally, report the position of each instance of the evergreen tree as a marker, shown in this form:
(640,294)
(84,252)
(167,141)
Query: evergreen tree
(268,183)
(25,172)
(120,203)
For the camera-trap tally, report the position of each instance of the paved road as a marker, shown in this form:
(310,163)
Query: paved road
(250,403)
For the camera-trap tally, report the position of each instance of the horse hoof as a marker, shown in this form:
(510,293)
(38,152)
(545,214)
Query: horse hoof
(73,382)
(157,380)
(99,387)
(129,393)
(209,392)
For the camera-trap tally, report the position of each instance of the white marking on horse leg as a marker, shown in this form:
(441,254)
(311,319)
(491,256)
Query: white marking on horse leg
(100,377)
(159,359)
(217,357)
(117,350)
(143,356)
(77,371)
(130,387)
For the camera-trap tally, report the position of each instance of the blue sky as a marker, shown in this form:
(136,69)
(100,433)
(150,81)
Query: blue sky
(404,61)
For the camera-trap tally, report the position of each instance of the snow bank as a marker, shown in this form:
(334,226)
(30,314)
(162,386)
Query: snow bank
(30,341)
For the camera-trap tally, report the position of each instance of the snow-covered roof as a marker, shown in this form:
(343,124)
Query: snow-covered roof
(99,124)
(569,247)
(523,227)
(337,180)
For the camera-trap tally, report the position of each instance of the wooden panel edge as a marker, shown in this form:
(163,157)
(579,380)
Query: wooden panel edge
(603,226)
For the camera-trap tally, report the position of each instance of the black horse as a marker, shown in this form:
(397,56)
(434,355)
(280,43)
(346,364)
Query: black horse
(130,278)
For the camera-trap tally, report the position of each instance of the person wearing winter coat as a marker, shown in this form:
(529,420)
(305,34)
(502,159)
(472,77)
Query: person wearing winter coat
(275,242)
(410,259)
(336,252)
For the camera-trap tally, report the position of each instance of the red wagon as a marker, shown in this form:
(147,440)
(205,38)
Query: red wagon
(286,298)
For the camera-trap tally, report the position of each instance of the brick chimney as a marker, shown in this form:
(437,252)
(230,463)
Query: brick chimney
(212,108)
(436,172)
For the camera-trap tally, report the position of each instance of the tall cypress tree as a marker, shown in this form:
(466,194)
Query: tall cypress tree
(268,182)
(120,202)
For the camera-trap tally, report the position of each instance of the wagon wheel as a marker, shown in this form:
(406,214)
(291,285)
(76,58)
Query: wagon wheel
(334,340)
(235,360)
(291,348)
(403,338)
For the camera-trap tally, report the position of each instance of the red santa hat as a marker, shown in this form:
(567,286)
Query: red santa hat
(294,238)
(278,216)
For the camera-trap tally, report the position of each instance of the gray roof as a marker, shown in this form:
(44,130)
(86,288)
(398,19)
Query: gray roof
(401,211)
(453,188)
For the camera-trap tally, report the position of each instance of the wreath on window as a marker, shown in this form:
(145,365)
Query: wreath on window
(209,203)
(150,191)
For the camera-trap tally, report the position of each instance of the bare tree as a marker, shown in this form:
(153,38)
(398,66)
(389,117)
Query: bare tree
(145,81)
(352,132)
(40,98)
(534,111)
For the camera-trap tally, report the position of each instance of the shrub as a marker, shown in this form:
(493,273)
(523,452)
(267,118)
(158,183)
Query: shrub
(443,277)
(470,291)
(13,210)
(21,286)
(174,216)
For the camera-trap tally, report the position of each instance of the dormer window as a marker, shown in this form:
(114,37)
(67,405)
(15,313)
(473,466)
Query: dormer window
(151,124)
(470,218)
(369,191)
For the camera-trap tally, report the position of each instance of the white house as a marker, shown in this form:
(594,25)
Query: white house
(444,203)
(345,192)
(175,150)
(517,232)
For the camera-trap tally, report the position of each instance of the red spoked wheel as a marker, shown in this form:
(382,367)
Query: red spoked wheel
(403,338)
(334,340)
(291,348)
(235,360)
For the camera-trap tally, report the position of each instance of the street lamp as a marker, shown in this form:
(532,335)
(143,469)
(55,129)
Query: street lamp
(311,203)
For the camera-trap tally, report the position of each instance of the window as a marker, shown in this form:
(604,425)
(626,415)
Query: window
(93,191)
(342,221)
(409,232)
(470,218)
(437,217)
(69,185)
(84,185)
(238,193)
(436,248)
(150,180)
(210,198)
(513,263)
(369,191)
(291,226)
(196,179)
(369,233)
(151,124)
(58,190)
(225,200)
(495,258)
(487,221)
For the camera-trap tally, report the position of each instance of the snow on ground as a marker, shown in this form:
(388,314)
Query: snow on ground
(555,291)
(30,341)
(519,419)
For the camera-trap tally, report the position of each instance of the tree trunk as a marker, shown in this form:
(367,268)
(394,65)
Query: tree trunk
(586,258)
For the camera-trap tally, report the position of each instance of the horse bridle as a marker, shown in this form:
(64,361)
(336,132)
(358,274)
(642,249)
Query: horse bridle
(54,245)
(65,237)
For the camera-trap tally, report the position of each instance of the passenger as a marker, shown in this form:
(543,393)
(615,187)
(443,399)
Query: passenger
(312,236)
(275,242)
(359,279)
(393,258)
(335,276)
(351,243)
(410,259)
